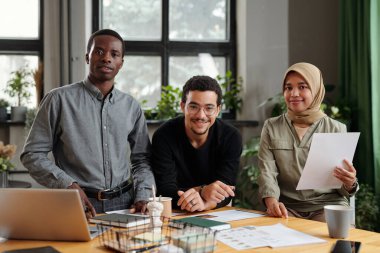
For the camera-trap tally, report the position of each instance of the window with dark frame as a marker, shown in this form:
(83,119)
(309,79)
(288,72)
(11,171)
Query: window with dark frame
(21,42)
(167,42)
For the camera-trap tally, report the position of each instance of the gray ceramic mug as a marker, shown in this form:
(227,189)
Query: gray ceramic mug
(338,220)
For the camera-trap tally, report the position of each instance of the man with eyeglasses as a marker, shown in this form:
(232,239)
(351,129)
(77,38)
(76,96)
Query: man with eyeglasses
(196,156)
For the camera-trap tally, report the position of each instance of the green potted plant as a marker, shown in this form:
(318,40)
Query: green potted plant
(231,98)
(167,107)
(3,110)
(247,187)
(340,112)
(18,86)
(367,212)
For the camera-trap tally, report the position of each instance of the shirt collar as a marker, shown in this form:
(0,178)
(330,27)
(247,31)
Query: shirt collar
(96,93)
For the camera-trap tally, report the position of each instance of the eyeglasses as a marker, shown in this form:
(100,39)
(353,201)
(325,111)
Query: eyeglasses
(209,110)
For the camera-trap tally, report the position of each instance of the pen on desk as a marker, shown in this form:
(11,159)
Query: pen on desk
(147,248)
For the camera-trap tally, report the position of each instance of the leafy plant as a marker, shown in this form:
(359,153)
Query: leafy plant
(3,103)
(18,85)
(167,107)
(340,112)
(247,187)
(367,213)
(279,106)
(231,91)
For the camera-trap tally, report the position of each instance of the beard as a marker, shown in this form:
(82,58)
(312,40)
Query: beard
(200,132)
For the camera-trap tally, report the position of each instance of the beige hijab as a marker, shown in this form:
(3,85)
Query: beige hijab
(313,78)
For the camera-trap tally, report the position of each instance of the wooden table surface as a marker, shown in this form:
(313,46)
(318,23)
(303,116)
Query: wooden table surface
(370,240)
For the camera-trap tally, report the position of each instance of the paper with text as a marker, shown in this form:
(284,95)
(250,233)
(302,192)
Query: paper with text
(327,151)
(273,236)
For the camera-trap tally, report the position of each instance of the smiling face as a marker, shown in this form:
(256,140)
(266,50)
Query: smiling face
(297,93)
(200,110)
(105,59)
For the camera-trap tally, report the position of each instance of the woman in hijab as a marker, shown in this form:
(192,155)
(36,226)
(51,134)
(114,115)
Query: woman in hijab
(284,147)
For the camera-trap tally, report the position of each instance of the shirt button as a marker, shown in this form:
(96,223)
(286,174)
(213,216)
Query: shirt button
(106,144)
(105,127)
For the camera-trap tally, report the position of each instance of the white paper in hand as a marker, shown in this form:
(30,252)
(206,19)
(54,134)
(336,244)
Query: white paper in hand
(327,151)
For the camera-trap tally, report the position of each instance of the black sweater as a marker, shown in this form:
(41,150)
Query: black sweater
(177,165)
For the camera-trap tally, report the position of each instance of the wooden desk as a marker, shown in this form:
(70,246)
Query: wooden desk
(370,240)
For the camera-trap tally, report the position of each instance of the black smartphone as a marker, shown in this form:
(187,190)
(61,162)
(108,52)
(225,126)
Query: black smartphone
(343,246)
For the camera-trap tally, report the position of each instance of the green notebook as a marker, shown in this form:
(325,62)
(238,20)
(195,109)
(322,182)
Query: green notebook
(201,222)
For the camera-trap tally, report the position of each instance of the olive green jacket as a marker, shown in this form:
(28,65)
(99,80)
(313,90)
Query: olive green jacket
(282,157)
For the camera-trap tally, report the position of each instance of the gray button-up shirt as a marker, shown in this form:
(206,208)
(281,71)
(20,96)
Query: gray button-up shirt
(98,142)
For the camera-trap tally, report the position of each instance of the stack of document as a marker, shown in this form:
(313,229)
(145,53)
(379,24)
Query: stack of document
(120,220)
(273,236)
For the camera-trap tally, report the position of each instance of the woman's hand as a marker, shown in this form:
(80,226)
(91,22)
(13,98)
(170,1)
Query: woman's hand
(275,208)
(347,176)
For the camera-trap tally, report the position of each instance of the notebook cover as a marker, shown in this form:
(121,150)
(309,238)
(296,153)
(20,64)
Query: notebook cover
(201,222)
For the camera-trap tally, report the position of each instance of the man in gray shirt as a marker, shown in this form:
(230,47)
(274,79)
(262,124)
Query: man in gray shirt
(97,134)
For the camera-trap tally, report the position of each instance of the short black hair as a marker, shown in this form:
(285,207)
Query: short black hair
(202,83)
(104,32)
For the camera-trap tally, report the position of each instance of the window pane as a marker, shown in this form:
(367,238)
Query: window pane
(141,78)
(19,19)
(197,20)
(133,19)
(182,68)
(10,63)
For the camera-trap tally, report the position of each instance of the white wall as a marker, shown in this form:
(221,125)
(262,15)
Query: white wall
(52,45)
(262,51)
(80,26)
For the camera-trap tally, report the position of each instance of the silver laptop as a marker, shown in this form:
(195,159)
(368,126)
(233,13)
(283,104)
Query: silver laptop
(43,214)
